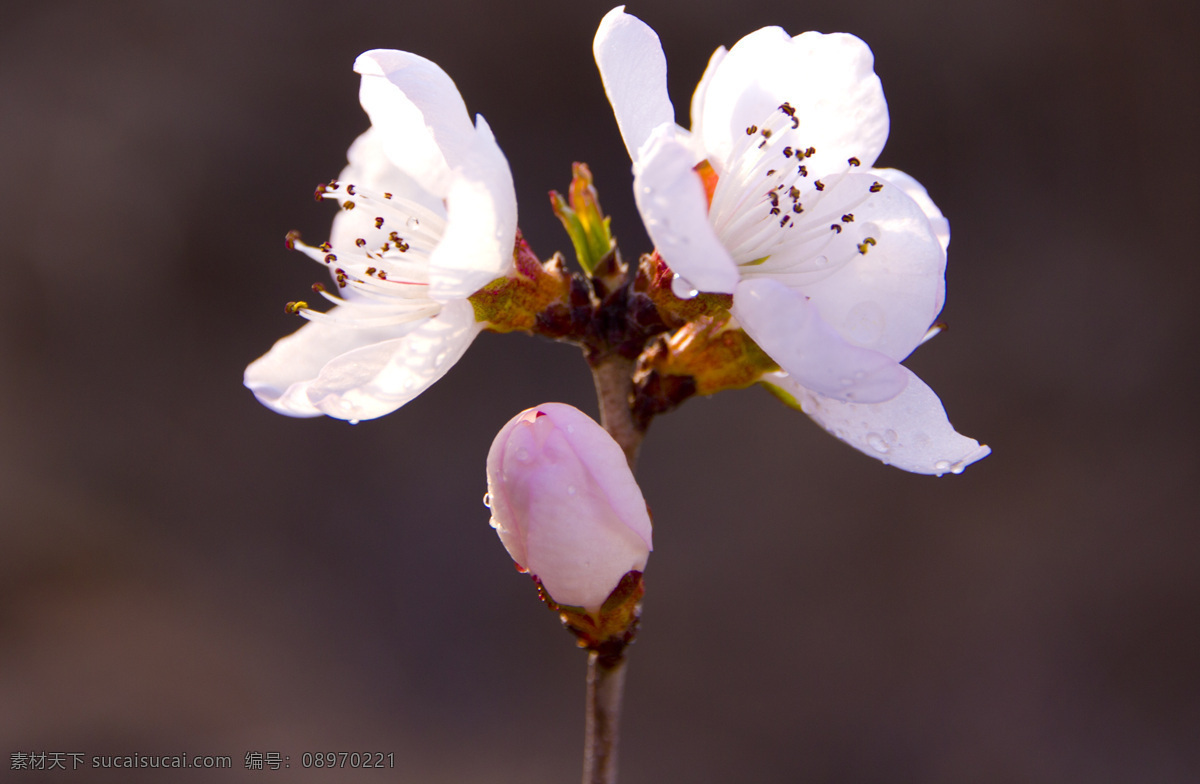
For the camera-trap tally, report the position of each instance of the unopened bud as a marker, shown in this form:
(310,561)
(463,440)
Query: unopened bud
(566,505)
(585,222)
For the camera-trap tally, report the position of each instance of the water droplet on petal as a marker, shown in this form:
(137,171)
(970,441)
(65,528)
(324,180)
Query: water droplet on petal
(412,223)
(821,261)
(494,523)
(876,442)
(682,289)
(487,500)
(891,436)
(570,428)
(354,421)
(523,455)
(941,466)
(571,490)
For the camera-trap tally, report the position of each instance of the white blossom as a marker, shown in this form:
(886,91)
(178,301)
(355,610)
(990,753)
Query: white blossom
(428,217)
(837,269)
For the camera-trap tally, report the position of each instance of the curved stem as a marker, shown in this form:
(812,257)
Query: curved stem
(605,684)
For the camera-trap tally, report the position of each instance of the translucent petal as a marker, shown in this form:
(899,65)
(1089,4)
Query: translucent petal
(884,298)
(910,431)
(701,92)
(789,329)
(377,379)
(423,122)
(828,79)
(916,191)
(281,378)
(674,208)
(481,205)
(634,71)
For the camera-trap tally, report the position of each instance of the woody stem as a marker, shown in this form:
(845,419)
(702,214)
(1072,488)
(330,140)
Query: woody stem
(605,684)
(613,375)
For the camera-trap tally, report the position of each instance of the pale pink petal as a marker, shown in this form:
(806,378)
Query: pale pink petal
(910,431)
(634,71)
(566,505)
(674,208)
(606,463)
(786,326)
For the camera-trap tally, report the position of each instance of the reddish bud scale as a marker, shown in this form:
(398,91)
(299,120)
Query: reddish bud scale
(654,279)
(513,303)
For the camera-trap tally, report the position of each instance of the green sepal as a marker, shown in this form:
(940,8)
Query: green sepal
(785,397)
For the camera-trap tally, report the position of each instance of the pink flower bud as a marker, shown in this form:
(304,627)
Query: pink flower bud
(566,505)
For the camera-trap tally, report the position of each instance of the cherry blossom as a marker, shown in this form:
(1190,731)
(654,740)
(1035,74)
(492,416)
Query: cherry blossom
(428,216)
(837,269)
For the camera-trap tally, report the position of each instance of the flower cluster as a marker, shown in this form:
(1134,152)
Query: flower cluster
(768,206)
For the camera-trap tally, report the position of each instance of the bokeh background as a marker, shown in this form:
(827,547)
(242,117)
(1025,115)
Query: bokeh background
(182,570)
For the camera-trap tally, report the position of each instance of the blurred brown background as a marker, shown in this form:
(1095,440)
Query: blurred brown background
(182,570)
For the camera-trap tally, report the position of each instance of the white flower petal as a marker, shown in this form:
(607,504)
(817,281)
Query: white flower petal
(422,120)
(674,208)
(481,226)
(281,378)
(698,97)
(634,71)
(910,431)
(377,379)
(916,191)
(786,326)
(369,167)
(886,298)
(828,79)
